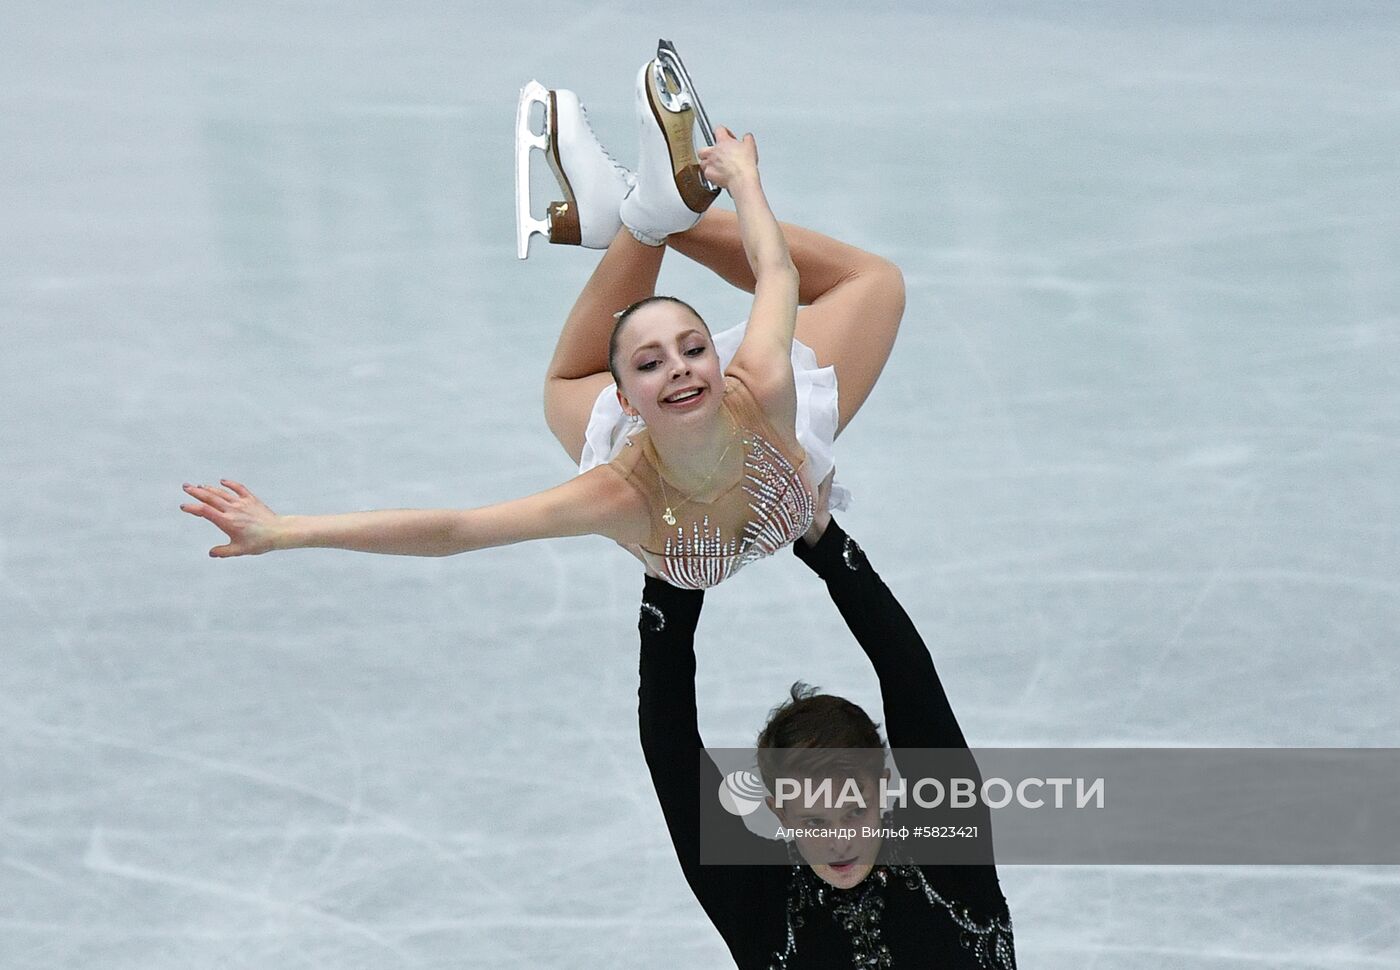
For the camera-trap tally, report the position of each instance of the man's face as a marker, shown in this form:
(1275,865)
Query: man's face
(837,826)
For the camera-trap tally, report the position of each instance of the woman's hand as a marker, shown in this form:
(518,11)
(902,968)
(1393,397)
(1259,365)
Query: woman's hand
(250,525)
(763,361)
(729,159)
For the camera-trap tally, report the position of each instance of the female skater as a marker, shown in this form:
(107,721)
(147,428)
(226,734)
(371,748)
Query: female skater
(830,901)
(695,467)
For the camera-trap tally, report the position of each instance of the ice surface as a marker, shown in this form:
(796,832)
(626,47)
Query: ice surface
(1134,464)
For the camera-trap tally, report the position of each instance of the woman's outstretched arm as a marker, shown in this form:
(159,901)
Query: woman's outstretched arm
(597,503)
(763,359)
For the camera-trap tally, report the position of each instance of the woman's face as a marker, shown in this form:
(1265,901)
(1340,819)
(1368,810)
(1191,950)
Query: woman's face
(670,374)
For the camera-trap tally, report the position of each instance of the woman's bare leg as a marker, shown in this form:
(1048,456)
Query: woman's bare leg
(852,300)
(579,370)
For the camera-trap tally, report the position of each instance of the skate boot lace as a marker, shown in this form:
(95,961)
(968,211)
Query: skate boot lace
(623,170)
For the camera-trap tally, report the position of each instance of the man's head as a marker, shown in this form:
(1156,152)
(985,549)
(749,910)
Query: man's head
(822,760)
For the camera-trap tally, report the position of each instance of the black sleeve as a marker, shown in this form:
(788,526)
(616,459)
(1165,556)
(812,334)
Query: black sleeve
(917,712)
(685,778)
(919,723)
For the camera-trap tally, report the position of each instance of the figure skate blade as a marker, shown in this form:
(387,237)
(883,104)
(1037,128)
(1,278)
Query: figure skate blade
(526,140)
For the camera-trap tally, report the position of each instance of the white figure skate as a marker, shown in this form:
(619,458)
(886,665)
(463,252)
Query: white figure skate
(670,193)
(593,183)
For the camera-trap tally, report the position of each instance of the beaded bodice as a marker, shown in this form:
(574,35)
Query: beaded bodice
(704,543)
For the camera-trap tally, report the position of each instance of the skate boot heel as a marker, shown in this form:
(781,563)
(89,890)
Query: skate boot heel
(564,229)
(695,191)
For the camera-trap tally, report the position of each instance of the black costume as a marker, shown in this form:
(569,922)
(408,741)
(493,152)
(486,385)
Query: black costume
(783,916)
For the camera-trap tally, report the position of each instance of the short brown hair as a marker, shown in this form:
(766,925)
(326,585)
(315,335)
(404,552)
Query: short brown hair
(816,735)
